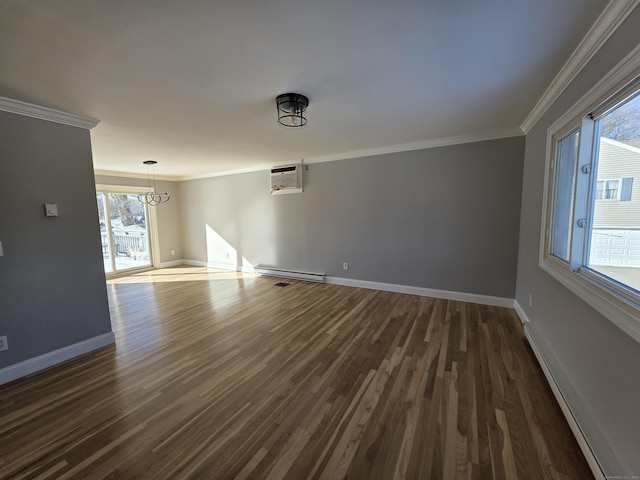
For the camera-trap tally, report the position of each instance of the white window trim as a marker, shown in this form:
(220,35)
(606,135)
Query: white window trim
(619,194)
(588,285)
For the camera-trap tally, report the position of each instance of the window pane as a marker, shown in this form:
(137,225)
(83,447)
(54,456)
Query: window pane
(564,188)
(614,243)
(611,190)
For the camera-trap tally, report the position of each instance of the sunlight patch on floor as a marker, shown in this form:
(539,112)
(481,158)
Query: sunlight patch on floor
(181,274)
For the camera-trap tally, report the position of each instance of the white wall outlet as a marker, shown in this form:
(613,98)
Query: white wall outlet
(345,266)
(4,345)
(173,252)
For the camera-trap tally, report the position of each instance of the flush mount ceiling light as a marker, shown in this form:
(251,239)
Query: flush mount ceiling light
(152,197)
(291,108)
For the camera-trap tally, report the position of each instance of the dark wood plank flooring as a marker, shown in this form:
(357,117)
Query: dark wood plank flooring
(218,375)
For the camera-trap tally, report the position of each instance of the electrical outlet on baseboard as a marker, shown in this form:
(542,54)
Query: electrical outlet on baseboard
(4,345)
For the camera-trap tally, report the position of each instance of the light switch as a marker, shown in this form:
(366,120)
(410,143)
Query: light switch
(51,209)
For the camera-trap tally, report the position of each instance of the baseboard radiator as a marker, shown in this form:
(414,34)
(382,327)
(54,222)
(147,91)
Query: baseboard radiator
(282,273)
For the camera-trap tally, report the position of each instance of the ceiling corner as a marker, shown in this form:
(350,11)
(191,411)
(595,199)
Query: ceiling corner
(607,23)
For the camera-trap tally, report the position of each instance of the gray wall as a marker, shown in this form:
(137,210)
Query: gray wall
(444,218)
(595,363)
(52,288)
(167,214)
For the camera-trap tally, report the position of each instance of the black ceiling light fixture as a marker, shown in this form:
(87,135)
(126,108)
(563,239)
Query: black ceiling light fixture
(291,108)
(152,197)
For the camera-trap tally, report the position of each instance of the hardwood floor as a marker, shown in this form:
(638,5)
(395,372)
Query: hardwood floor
(218,375)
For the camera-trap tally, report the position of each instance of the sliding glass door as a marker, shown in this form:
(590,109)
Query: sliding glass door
(124,229)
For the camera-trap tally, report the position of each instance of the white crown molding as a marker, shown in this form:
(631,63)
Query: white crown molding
(257,168)
(181,178)
(44,113)
(113,173)
(623,72)
(405,147)
(606,24)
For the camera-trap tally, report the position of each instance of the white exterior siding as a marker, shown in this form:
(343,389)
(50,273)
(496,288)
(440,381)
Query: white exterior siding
(618,161)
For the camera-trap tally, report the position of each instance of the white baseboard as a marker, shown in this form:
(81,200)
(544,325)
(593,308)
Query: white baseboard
(523,316)
(22,369)
(219,266)
(424,292)
(224,266)
(578,433)
(385,287)
(172,263)
(194,263)
(231,267)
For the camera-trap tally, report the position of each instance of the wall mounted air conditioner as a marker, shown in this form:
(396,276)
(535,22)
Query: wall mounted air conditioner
(286,179)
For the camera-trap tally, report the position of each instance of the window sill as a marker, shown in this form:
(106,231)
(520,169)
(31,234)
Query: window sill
(618,310)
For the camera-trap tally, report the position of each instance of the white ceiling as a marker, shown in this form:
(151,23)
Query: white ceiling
(193,84)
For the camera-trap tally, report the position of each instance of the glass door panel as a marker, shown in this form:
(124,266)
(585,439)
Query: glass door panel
(124,232)
(129,231)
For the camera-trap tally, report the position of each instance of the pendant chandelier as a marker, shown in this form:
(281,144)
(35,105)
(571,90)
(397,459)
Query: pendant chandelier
(152,197)
(291,109)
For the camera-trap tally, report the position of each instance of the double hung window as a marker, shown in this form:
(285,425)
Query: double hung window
(607,190)
(591,232)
